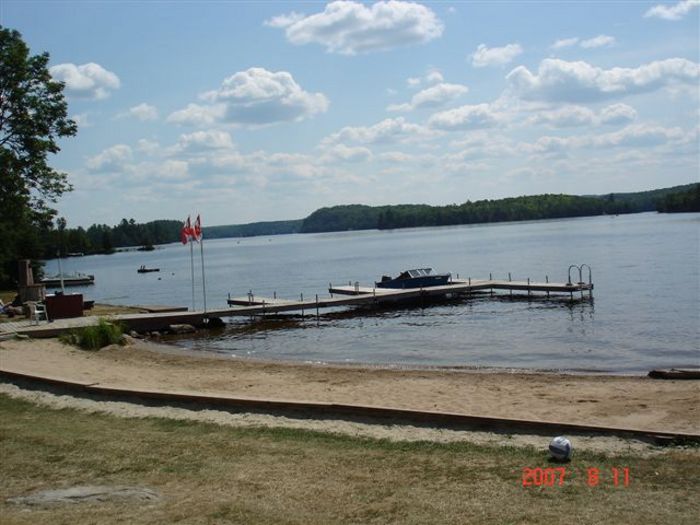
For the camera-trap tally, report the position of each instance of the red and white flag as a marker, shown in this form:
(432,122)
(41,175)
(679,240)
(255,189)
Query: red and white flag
(197,230)
(187,232)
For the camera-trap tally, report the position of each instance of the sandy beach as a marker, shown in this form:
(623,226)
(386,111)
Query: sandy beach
(624,401)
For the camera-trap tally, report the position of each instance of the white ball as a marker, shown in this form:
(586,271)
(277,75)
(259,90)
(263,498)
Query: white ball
(560,448)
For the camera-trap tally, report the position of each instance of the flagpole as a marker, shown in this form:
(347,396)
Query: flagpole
(192,272)
(204,286)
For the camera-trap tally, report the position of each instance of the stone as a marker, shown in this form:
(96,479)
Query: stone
(87,494)
(181,328)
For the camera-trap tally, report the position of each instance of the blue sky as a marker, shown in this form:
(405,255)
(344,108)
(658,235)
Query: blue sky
(252,111)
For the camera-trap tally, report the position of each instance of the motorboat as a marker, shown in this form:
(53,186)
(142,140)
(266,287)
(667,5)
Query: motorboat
(416,278)
(143,269)
(75,279)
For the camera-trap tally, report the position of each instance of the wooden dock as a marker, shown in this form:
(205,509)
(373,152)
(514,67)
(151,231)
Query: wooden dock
(340,296)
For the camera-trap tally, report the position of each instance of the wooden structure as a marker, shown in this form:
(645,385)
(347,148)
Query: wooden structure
(340,296)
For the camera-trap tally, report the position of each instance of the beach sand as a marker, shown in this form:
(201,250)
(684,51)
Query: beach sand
(621,401)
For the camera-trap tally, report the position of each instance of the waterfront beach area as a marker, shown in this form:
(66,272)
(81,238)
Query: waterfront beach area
(605,400)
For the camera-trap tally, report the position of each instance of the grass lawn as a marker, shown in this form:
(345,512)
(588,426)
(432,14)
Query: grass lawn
(214,474)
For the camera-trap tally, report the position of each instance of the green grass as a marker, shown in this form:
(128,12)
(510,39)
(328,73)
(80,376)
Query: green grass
(214,474)
(102,334)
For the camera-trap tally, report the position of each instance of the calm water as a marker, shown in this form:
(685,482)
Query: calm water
(645,313)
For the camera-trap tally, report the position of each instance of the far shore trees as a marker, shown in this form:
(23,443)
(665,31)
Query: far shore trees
(33,116)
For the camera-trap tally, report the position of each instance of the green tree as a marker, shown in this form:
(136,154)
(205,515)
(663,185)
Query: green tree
(33,116)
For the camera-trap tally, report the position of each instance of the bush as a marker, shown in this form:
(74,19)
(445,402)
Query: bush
(95,337)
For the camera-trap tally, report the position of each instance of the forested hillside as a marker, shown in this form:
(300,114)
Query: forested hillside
(359,217)
(100,238)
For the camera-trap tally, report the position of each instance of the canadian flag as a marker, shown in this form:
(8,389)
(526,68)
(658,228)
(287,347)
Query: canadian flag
(187,232)
(197,230)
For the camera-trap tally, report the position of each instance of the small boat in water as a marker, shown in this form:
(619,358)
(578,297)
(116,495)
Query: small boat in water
(75,279)
(416,278)
(143,269)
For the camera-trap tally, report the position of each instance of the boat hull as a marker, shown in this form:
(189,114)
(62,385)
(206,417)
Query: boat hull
(416,282)
(68,281)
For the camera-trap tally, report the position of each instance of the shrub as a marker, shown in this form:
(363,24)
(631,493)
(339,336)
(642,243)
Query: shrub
(95,337)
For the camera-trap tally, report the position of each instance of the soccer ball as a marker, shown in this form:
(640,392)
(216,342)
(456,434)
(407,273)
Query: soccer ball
(560,448)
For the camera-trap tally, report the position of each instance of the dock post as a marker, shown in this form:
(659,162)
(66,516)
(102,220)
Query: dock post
(317,308)
(274,294)
(357,287)
(528,287)
(546,279)
(511,289)
(491,279)
(263,308)
(330,287)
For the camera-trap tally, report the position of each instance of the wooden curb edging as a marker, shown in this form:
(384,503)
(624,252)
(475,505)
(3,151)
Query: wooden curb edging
(376,413)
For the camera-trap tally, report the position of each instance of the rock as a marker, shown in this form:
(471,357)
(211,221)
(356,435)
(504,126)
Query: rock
(214,322)
(134,334)
(21,336)
(87,494)
(155,334)
(181,328)
(129,340)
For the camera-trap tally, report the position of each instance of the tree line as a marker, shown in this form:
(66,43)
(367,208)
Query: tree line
(682,201)
(547,206)
(100,238)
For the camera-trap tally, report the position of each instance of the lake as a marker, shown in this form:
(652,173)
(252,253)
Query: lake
(645,312)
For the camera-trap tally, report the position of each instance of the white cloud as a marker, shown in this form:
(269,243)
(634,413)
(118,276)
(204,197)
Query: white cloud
(577,116)
(114,158)
(565,42)
(634,136)
(434,77)
(386,131)
(434,96)
(617,114)
(674,12)
(258,96)
(204,141)
(148,147)
(343,153)
(82,120)
(170,170)
(598,41)
(565,117)
(143,112)
(495,56)
(196,115)
(561,81)
(466,118)
(348,27)
(639,135)
(86,81)
(413,81)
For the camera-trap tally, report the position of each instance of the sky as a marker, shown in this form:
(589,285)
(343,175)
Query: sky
(260,111)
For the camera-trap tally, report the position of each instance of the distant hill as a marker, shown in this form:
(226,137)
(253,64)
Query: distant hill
(547,206)
(681,201)
(252,229)
(100,238)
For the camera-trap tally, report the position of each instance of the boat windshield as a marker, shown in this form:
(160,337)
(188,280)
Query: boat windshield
(419,272)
